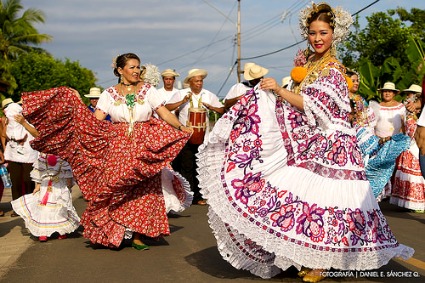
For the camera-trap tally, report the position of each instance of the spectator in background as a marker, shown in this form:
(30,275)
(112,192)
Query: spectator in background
(2,126)
(168,79)
(94,95)
(409,185)
(239,89)
(391,118)
(195,96)
(18,152)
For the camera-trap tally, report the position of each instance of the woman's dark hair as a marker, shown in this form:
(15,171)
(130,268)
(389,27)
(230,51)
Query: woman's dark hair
(122,60)
(323,12)
(350,73)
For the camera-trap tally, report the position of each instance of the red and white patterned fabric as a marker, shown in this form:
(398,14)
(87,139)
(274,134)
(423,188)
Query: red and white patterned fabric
(409,184)
(119,174)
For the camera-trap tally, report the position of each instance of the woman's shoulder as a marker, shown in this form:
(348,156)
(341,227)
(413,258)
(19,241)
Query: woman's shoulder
(336,64)
(110,94)
(110,90)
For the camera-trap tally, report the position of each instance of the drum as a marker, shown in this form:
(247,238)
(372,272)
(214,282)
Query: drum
(197,120)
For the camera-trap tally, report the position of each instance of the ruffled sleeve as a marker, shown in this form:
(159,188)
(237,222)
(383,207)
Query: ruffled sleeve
(326,102)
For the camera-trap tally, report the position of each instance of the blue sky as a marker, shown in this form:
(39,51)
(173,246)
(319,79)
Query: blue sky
(183,34)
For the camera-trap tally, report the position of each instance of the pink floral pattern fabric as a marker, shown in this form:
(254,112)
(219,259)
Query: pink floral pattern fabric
(292,188)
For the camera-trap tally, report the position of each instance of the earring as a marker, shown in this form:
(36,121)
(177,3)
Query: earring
(333,50)
(308,52)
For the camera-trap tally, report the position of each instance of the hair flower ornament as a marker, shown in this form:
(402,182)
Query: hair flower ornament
(114,62)
(150,74)
(342,20)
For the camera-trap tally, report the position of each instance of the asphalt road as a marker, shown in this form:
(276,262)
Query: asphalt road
(189,254)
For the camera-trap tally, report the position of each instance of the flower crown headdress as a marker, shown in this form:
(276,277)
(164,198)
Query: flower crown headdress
(341,20)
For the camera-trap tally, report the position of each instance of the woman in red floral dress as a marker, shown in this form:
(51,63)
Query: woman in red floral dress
(117,165)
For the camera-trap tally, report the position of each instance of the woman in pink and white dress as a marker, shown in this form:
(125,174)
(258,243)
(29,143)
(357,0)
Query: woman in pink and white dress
(283,174)
(49,208)
(409,185)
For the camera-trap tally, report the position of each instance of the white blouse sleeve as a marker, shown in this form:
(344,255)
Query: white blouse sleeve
(104,101)
(154,98)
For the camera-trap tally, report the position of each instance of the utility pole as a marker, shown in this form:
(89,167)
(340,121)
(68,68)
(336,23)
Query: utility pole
(239,71)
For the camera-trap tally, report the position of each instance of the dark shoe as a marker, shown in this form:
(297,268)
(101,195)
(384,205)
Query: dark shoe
(14,214)
(140,247)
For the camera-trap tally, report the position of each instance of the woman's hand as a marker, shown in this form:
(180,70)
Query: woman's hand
(186,129)
(19,118)
(36,189)
(269,84)
(411,106)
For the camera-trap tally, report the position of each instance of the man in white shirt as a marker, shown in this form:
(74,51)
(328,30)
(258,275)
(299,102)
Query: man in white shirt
(168,80)
(195,96)
(18,152)
(253,73)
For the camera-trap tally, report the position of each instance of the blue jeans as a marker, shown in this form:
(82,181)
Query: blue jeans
(422,164)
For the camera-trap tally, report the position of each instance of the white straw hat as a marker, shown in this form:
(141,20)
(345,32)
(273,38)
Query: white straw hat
(389,86)
(94,93)
(413,88)
(254,72)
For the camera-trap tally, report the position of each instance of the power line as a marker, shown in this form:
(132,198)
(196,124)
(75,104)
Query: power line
(292,45)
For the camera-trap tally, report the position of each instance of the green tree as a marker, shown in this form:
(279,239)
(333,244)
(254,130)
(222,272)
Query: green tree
(17,35)
(38,71)
(390,48)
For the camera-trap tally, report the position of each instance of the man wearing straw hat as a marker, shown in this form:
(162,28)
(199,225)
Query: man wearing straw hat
(18,152)
(194,96)
(94,95)
(168,80)
(253,73)
(415,104)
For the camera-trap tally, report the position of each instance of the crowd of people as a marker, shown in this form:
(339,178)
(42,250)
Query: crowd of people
(291,172)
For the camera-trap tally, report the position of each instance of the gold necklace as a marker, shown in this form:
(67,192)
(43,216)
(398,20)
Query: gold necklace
(129,92)
(128,85)
(315,67)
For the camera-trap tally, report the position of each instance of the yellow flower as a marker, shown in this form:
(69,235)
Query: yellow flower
(298,74)
(349,82)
